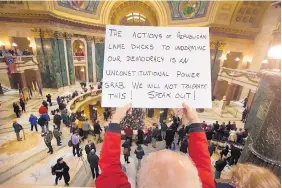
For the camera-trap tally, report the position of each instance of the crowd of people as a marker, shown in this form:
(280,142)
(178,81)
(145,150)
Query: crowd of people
(200,140)
(18,52)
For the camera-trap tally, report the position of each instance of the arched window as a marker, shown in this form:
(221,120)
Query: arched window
(135,17)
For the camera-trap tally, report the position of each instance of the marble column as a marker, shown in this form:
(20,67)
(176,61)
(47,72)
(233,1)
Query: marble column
(251,97)
(261,45)
(43,68)
(230,92)
(70,58)
(61,49)
(263,146)
(52,58)
(89,40)
(99,56)
(216,52)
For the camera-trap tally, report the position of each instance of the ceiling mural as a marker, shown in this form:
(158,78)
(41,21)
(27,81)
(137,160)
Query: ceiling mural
(82,6)
(181,10)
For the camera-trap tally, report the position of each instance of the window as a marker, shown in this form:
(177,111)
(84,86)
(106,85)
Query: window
(135,17)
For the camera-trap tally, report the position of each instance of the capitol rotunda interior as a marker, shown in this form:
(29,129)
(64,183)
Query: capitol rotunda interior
(57,48)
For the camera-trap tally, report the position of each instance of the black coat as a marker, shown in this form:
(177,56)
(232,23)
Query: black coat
(139,153)
(16,108)
(87,149)
(169,137)
(140,136)
(93,160)
(181,132)
(220,164)
(235,152)
(97,128)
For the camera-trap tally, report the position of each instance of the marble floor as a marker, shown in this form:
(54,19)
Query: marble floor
(27,164)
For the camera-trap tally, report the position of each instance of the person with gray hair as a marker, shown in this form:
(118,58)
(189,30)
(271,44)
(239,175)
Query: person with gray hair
(93,160)
(161,169)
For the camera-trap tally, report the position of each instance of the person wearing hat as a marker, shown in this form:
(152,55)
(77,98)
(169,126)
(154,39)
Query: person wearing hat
(62,169)
(17,128)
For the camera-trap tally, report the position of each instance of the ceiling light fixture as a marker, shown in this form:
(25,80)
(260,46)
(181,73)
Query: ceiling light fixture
(237,59)
(264,61)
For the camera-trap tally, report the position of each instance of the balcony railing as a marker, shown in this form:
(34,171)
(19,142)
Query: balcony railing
(78,58)
(79,101)
(240,77)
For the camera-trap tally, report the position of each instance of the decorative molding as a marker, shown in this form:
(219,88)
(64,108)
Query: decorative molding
(59,35)
(47,18)
(68,36)
(89,38)
(237,30)
(99,40)
(36,32)
(217,44)
(48,33)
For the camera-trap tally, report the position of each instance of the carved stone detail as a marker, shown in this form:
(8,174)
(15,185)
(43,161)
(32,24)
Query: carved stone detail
(59,35)
(89,38)
(36,32)
(99,40)
(69,36)
(217,44)
(48,33)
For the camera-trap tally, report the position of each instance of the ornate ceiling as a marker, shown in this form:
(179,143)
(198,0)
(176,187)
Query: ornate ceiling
(239,18)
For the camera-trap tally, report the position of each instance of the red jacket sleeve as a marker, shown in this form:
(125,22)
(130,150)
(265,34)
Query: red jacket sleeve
(198,151)
(112,175)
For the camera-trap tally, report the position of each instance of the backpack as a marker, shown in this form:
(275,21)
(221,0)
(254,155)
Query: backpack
(53,170)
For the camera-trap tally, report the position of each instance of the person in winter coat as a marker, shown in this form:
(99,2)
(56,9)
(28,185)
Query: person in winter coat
(155,134)
(181,133)
(85,128)
(17,128)
(87,148)
(65,118)
(47,118)
(22,103)
(244,115)
(126,150)
(75,144)
(139,152)
(93,161)
(163,129)
(62,169)
(59,100)
(45,104)
(92,146)
(48,139)
(57,120)
(57,135)
(97,131)
(184,145)
(224,152)
(128,134)
(211,148)
(235,154)
(42,122)
(140,136)
(33,122)
(219,166)
(194,172)
(49,100)
(169,137)
(16,109)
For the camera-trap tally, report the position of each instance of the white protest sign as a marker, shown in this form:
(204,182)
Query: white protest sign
(157,67)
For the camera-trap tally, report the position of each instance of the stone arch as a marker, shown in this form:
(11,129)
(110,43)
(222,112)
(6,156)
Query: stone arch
(160,9)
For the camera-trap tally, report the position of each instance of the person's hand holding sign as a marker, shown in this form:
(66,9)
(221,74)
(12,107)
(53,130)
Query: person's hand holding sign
(187,114)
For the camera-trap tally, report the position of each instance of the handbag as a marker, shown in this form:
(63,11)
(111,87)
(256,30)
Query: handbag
(70,143)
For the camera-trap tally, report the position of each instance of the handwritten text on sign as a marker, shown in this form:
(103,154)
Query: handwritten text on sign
(156,67)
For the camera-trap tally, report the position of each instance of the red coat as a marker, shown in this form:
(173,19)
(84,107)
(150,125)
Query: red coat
(128,132)
(42,110)
(113,177)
